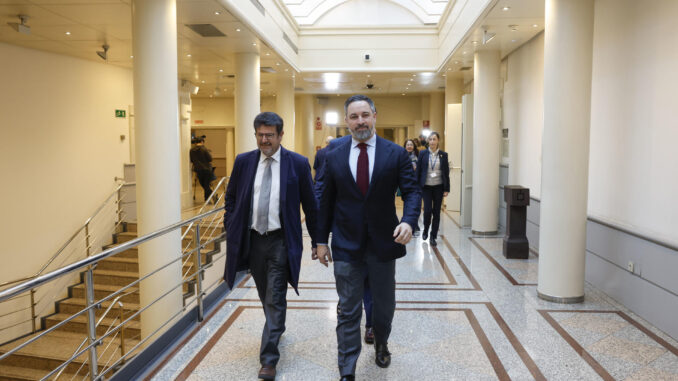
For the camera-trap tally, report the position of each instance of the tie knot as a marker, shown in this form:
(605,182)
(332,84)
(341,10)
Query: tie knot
(362,146)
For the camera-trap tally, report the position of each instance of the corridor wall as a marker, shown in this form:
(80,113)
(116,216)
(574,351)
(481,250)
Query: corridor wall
(632,152)
(60,149)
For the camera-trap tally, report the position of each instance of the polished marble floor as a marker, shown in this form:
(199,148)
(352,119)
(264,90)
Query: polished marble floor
(464,312)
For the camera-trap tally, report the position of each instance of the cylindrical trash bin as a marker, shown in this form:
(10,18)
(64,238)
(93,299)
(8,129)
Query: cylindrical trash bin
(515,241)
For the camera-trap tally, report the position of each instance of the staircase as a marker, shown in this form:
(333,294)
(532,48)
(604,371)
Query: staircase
(39,358)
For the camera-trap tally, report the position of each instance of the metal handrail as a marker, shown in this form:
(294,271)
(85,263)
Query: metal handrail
(89,263)
(221,181)
(68,242)
(40,280)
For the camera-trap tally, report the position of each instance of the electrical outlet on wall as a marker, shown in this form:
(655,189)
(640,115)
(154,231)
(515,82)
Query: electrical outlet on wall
(630,266)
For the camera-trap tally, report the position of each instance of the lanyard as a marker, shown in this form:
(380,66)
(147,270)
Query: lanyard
(432,162)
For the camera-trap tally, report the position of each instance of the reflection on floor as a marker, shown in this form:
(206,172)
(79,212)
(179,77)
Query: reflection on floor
(463,312)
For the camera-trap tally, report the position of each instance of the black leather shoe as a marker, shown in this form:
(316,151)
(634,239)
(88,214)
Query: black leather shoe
(433,242)
(425,235)
(383,358)
(267,372)
(350,377)
(369,335)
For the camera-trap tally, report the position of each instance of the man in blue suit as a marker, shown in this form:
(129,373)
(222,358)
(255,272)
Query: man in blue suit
(263,226)
(357,205)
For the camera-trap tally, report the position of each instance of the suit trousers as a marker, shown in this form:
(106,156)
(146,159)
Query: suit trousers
(268,264)
(433,202)
(350,281)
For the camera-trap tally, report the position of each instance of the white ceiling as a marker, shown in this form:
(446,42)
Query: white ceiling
(92,23)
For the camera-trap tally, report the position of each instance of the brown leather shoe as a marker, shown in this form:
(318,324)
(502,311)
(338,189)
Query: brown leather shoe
(267,372)
(369,335)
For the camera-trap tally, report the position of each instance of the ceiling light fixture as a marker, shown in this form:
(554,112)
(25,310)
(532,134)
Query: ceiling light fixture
(487,36)
(254,44)
(534,25)
(68,33)
(237,29)
(217,13)
(475,42)
(188,55)
(203,81)
(21,27)
(505,9)
(103,54)
(513,27)
(268,54)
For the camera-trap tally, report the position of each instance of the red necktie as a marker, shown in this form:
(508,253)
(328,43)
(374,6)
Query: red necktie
(363,172)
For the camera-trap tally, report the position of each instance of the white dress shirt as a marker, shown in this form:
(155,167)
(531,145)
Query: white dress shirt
(274,202)
(355,151)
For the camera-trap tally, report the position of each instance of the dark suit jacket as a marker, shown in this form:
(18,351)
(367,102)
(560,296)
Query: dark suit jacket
(422,168)
(359,223)
(296,187)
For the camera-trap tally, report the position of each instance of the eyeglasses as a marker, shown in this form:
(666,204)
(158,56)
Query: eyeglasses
(267,136)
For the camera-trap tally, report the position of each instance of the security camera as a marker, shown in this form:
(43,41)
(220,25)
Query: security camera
(370,85)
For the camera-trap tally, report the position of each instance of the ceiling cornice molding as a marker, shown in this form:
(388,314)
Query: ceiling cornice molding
(288,15)
(370,31)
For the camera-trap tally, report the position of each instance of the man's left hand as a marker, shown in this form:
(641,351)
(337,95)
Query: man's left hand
(445,194)
(314,253)
(403,233)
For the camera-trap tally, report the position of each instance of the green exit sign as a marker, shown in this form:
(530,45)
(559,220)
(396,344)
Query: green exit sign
(120,113)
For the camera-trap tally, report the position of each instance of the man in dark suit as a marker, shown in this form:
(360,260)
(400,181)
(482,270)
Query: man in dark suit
(357,205)
(320,155)
(263,226)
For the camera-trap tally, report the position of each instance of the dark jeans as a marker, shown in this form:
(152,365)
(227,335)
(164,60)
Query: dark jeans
(205,178)
(268,263)
(433,202)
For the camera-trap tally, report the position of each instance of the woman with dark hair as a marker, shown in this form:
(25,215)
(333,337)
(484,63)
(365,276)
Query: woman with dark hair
(433,173)
(412,151)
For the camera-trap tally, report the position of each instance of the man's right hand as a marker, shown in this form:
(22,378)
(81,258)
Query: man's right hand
(324,255)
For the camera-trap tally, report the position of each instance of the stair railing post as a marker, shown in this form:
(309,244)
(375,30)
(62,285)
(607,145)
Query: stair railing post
(122,333)
(33,310)
(87,238)
(91,324)
(118,211)
(198,266)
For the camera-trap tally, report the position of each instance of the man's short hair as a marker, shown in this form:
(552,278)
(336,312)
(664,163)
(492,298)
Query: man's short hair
(268,118)
(358,98)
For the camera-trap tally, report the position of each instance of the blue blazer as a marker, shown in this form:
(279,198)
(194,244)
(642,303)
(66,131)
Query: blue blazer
(296,187)
(423,164)
(359,223)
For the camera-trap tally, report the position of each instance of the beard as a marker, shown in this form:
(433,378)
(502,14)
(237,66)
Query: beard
(362,134)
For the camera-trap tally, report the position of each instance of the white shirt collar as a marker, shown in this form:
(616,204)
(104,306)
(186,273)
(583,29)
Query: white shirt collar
(434,152)
(275,156)
(372,142)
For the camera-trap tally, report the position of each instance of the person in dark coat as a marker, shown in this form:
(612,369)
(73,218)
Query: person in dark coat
(202,165)
(263,226)
(357,205)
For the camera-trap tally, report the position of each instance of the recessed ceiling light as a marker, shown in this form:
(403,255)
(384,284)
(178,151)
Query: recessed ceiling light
(68,33)
(449,68)
(217,13)
(475,42)
(402,94)
(237,29)
(534,25)
(456,62)
(225,89)
(211,95)
(444,75)
(254,44)
(514,40)
(414,75)
(505,9)
(131,56)
(463,52)
(188,55)
(285,69)
(368,76)
(221,70)
(277,63)
(411,79)
(203,81)
(268,54)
